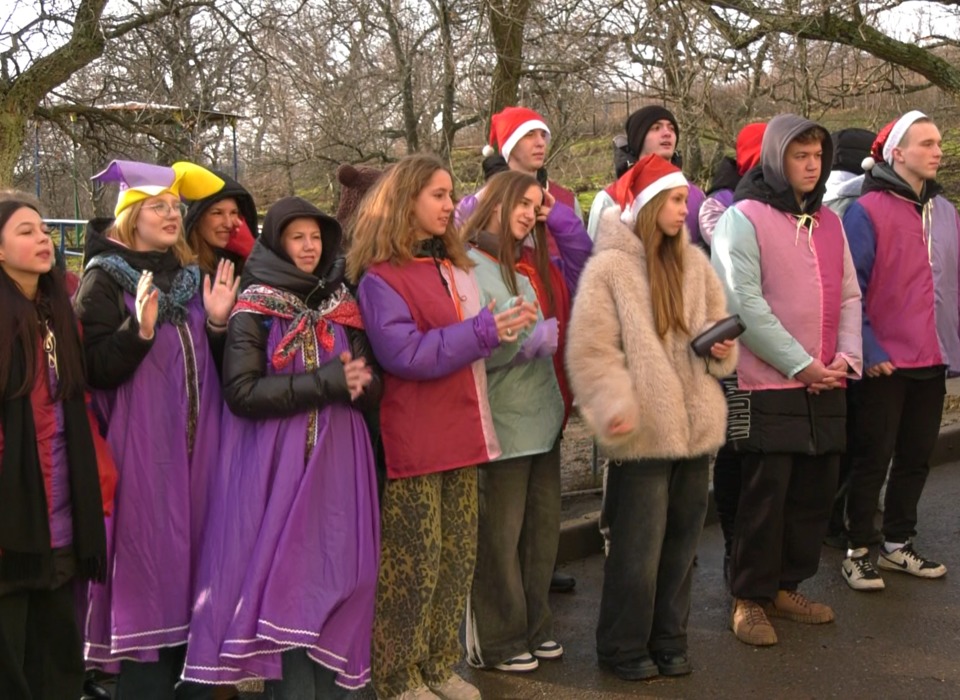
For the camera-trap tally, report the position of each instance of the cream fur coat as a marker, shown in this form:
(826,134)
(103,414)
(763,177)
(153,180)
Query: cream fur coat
(620,367)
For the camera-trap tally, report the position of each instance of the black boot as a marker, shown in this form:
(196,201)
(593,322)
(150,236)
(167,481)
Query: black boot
(562,583)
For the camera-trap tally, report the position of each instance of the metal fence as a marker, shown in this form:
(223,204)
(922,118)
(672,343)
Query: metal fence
(68,235)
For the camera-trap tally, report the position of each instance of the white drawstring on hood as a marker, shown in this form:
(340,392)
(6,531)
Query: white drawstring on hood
(809,222)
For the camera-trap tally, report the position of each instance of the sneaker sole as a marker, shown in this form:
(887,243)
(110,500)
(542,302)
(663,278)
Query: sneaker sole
(679,670)
(525,667)
(919,573)
(552,654)
(863,584)
(638,675)
(802,618)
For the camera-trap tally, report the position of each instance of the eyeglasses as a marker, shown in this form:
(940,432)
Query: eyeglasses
(165,209)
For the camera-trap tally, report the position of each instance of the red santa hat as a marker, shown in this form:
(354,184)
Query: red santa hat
(889,138)
(749,141)
(509,126)
(648,177)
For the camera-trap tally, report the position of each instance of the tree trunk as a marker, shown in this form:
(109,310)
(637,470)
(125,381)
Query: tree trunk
(21,96)
(507,18)
(405,66)
(13,135)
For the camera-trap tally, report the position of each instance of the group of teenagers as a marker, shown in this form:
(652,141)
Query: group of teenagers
(296,458)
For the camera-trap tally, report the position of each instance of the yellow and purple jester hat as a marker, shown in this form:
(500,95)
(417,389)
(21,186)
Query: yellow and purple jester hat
(139,181)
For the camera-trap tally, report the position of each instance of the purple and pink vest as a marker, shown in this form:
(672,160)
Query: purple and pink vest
(912,294)
(802,282)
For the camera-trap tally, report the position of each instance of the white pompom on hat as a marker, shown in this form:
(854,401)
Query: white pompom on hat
(510,125)
(648,177)
(889,138)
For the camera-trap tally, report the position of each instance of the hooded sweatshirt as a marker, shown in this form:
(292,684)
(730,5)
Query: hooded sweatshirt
(238,248)
(906,249)
(787,270)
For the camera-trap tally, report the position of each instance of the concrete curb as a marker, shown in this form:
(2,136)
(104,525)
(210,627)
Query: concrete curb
(580,537)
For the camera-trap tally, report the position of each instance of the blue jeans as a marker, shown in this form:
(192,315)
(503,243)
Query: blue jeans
(303,679)
(655,510)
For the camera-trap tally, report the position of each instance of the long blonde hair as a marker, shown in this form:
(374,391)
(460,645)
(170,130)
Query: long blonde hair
(664,267)
(124,229)
(384,228)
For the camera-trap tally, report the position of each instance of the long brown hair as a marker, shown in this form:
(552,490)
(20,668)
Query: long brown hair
(20,324)
(664,267)
(125,226)
(507,189)
(384,229)
(206,257)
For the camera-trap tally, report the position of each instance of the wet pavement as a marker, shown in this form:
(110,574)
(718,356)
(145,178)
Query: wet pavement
(903,642)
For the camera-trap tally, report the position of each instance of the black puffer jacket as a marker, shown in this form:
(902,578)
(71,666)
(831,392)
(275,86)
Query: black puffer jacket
(247,387)
(113,348)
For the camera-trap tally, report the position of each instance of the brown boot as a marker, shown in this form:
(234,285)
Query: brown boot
(751,625)
(793,605)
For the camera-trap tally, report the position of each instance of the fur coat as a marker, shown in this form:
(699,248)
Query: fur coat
(620,367)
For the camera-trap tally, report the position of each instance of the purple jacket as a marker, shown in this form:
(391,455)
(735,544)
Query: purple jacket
(710,212)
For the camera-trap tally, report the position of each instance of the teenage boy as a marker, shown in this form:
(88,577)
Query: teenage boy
(904,239)
(788,273)
(651,129)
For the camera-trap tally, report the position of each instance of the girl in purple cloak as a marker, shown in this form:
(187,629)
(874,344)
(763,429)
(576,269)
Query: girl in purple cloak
(155,389)
(288,573)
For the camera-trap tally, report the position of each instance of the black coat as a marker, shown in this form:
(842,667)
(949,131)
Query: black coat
(247,387)
(113,348)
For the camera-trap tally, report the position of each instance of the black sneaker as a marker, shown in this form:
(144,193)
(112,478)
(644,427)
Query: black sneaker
(636,670)
(672,662)
(906,560)
(562,583)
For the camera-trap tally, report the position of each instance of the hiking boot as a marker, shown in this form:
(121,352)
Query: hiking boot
(859,572)
(455,688)
(421,693)
(549,650)
(907,560)
(794,605)
(750,624)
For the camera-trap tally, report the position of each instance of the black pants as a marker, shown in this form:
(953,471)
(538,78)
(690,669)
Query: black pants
(782,516)
(726,491)
(838,517)
(41,653)
(655,510)
(899,418)
(159,680)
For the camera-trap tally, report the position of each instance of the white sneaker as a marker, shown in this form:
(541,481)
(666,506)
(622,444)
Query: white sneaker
(549,650)
(907,560)
(455,688)
(519,663)
(859,572)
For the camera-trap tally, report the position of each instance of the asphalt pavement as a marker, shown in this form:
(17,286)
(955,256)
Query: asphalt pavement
(903,642)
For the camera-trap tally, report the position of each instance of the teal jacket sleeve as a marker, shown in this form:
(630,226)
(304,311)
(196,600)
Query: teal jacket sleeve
(736,258)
